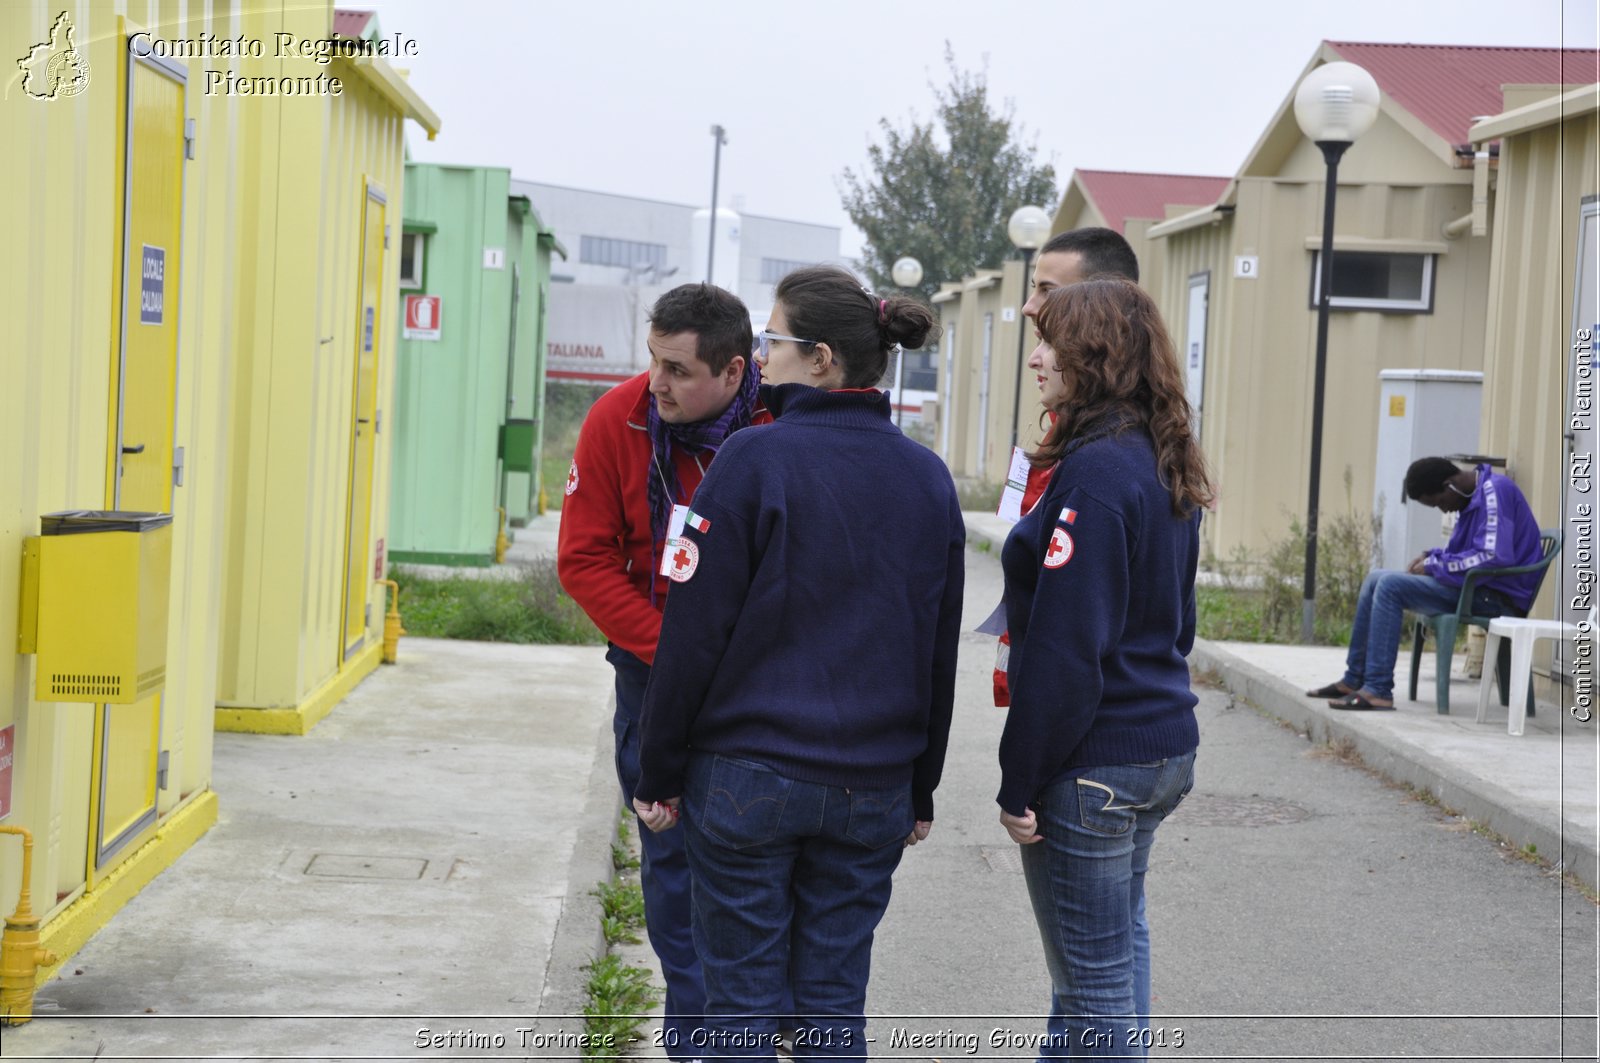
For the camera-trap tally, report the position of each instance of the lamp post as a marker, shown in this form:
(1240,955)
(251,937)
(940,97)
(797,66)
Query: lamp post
(719,137)
(906,274)
(1334,105)
(1028,228)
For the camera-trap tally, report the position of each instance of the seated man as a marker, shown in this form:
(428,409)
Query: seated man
(1496,529)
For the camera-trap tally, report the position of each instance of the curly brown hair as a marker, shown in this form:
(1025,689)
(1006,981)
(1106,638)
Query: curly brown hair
(1117,359)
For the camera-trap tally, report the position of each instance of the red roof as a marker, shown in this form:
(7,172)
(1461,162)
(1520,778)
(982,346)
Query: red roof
(1120,195)
(352,24)
(1446,86)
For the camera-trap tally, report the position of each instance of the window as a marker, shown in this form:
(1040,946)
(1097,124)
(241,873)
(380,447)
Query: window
(922,370)
(1376,280)
(411,249)
(629,254)
(774,270)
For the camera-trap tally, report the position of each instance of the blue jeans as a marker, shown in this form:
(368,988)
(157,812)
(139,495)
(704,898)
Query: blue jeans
(1375,637)
(790,881)
(1086,882)
(663,874)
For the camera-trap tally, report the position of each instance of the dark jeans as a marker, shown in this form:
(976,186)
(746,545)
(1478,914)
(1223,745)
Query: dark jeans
(791,880)
(663,873)
(1375,636)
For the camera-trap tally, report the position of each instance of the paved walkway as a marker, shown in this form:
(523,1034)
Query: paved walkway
(1537,789)
(423,860)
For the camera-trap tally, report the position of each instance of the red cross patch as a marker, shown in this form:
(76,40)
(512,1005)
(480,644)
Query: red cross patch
(572,477)
(683,557)
(1060,550)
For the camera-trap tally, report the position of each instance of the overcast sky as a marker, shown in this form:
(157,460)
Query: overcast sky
(620,95)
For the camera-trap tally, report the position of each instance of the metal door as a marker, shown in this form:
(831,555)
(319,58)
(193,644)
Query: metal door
(127,753)
(364,424)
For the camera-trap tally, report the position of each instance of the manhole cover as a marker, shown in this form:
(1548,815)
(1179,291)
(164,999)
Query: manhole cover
(1227,810)
(334,865)
(1006,859)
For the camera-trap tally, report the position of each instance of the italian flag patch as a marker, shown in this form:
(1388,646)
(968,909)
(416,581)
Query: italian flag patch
(697,522)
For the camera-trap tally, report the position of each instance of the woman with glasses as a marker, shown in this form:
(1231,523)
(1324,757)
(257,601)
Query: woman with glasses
(797,715)
(1100,737)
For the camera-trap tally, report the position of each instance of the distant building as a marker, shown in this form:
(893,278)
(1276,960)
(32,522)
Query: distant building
(624,251)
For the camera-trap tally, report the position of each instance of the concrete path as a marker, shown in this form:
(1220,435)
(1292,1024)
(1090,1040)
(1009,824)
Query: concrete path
(423,858)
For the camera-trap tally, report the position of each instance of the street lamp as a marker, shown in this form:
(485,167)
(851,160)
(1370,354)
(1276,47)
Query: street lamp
(1334,105)
(907,274)
(720,137)
(1028,228)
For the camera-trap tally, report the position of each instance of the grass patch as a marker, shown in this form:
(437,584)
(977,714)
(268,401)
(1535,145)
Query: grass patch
(618,997)
(528,608)
(565,406)
(621,911)
(1261,599)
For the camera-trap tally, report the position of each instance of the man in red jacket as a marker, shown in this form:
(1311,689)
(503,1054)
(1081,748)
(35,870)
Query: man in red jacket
(643,449)
(1066,258)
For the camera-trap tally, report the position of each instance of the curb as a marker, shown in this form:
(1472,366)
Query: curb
(579,939)
(1470,795)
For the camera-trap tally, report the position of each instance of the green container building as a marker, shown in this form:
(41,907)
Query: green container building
(470,353)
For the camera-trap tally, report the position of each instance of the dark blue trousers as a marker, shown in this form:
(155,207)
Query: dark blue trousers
(663,874)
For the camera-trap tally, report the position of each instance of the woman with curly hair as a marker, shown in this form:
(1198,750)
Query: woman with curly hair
(1100,738)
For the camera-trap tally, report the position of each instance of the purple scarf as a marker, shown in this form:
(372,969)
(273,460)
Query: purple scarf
(695,437)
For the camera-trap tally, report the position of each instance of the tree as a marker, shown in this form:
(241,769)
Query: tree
(943,196)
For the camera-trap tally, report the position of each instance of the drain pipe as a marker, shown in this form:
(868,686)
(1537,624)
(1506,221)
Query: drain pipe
(20,954)
(1478,219)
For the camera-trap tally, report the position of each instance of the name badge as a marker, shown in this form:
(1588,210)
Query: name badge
(674,532)
(1016,484)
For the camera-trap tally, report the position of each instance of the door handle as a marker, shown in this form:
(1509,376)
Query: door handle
(134,450)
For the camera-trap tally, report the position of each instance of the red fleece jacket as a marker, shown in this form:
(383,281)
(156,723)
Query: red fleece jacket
(605,556)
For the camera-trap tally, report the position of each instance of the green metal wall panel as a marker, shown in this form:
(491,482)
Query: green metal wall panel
(451,392)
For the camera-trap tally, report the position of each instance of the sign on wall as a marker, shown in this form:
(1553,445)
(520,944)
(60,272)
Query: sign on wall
(152,284)
(422,317)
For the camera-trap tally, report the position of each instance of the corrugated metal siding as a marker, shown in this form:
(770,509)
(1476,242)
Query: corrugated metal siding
(1263,338)
(63,197)
(1544,176)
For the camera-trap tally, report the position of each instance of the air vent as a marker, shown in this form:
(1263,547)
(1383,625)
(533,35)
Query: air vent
(151,681)
(78,685)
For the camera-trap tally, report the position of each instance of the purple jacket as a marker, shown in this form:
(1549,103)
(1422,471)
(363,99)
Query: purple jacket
(1496,530)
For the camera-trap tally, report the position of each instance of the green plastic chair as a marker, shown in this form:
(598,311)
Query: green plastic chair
(1446,625)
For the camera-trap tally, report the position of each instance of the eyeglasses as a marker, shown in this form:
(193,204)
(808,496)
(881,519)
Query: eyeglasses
(761,348)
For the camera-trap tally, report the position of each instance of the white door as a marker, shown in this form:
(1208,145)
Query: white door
(1194,346)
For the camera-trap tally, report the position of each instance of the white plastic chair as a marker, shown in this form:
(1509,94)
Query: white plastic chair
(1523,633)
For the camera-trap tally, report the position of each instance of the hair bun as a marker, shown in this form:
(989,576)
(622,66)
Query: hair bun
(906,322)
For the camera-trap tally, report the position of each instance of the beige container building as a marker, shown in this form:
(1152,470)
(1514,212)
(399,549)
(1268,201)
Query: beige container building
(1411,284)
(978,375)
(1543,312)
(1132,204)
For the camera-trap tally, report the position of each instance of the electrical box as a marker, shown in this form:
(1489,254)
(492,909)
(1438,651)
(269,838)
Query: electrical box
(1422,413)
(97,583)
(517,438)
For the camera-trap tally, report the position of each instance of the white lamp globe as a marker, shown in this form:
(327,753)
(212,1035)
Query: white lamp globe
(906,272)
(1336,102)
(1028,228)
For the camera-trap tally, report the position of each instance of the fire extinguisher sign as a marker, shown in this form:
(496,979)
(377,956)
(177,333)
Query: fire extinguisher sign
(422,317)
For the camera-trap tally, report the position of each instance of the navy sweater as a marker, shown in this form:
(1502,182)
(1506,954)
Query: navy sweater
(1100,604)
(817,631)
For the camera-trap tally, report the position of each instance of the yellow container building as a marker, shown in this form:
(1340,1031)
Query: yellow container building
(197,261)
